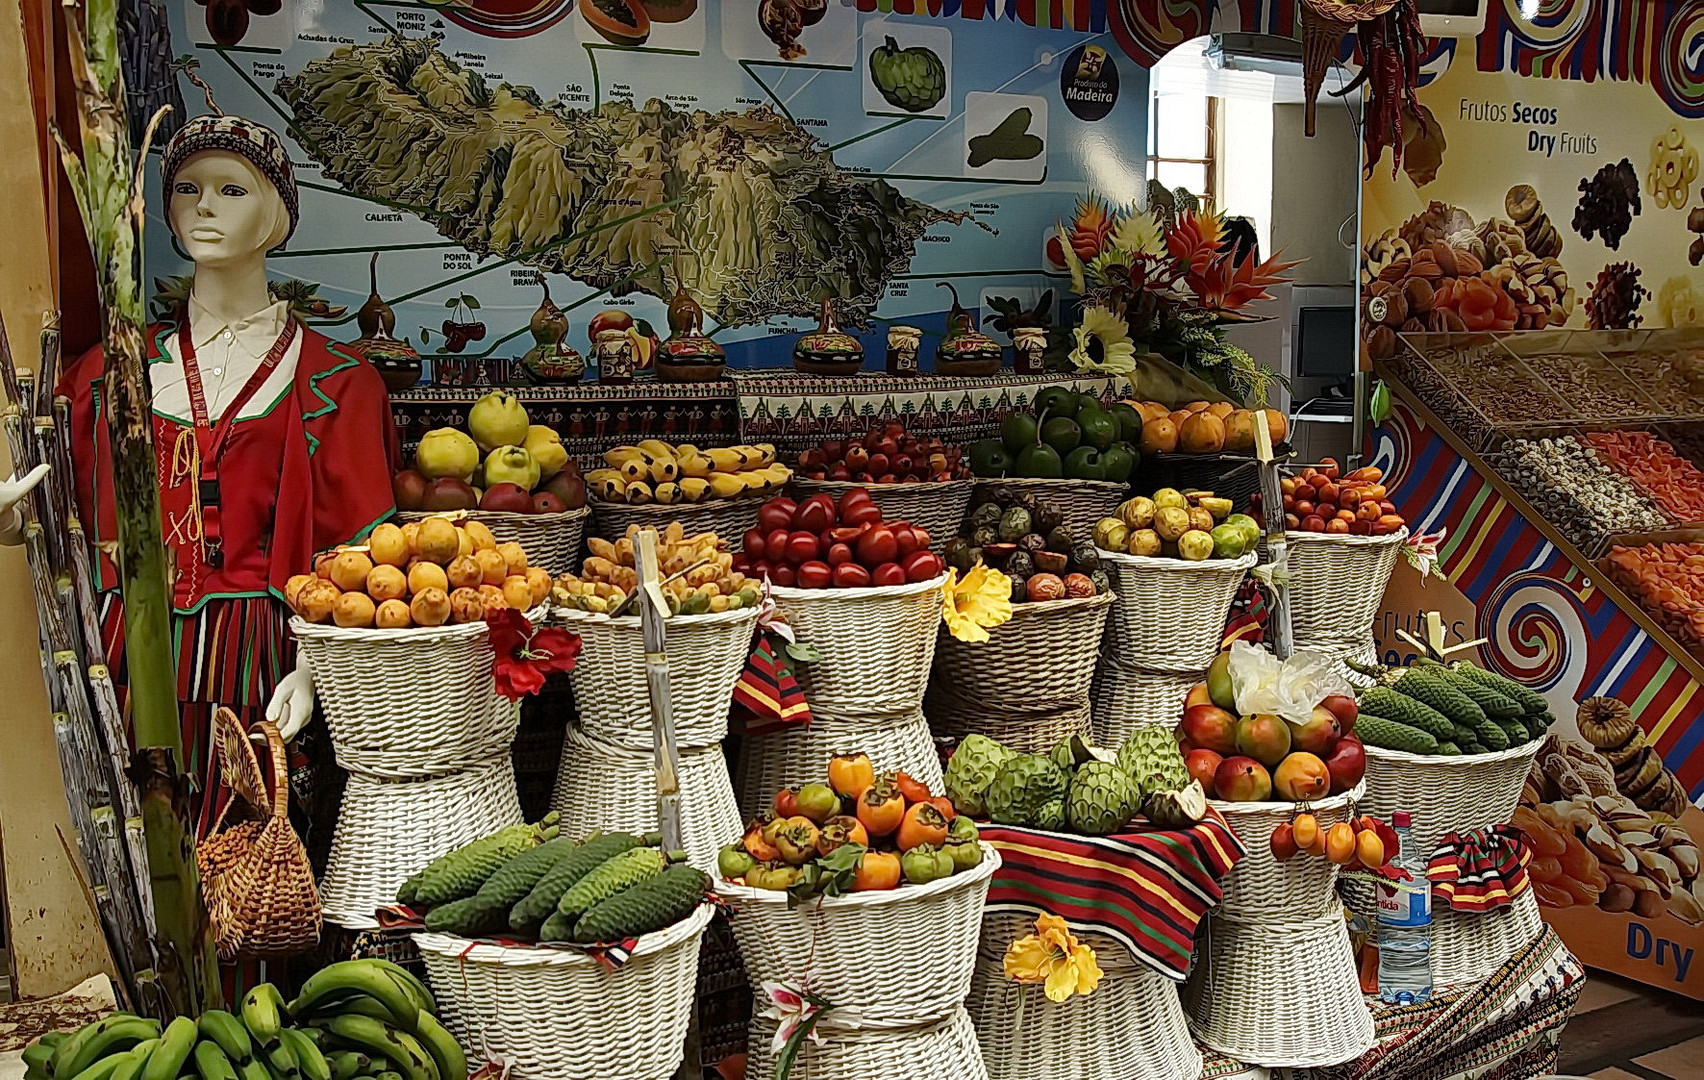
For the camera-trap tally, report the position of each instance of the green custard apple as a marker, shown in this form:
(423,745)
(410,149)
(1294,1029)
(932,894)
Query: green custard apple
(1021,786)
(1102,800)
(912,79)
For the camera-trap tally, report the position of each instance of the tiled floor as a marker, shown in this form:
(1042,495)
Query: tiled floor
(1623,1030)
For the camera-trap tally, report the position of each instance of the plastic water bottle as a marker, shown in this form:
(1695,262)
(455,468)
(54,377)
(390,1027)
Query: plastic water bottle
(1405,926)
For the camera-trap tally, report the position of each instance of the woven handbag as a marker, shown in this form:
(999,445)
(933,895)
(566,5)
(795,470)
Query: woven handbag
(255,876)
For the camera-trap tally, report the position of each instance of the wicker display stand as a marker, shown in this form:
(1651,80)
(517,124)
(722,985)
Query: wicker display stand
(550,540)
(936,506)
(706,655)
(559,1014)
(1262,887)
(603,786)
(799,753)
(876,645)
(1131,1027)
(944,1049)
(1170,613)
(1124,699)
(1082,502)
(727,518)
(951,718)
(1040,660)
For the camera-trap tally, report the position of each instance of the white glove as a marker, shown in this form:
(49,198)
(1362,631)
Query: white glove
(292,704)
(11,492)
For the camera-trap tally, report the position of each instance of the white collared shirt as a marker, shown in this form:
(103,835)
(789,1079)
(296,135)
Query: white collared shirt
(226,355)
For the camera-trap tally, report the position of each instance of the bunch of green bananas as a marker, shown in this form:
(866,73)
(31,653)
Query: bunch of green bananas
(357,1018)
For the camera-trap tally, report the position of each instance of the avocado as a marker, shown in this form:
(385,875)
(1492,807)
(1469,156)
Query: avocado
(1099,429)
(1018,431)
(1041,462)
(989,459)
(1056,401)
(1084,463)
(1089,401)
(1129,422)
(1120,460)
(1061,433)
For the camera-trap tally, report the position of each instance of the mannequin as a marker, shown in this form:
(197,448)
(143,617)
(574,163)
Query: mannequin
(270,443)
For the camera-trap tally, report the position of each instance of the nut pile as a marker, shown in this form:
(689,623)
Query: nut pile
(1614,300)
(1673,380)
(1673,482)
(1666,580)
(1501,387)
(1595,389)
(1574,490)
(1609,199)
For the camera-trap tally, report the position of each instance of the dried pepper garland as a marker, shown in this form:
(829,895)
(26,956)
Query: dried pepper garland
(1392,46)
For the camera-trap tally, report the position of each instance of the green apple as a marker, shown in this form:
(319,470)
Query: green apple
(497,419)
(446,452)
(511,465)
(546,448)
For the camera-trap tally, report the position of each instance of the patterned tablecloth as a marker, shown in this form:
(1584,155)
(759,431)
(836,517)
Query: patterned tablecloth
(1147,888)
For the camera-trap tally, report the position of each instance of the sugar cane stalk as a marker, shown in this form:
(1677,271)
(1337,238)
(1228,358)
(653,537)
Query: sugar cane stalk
(106,182)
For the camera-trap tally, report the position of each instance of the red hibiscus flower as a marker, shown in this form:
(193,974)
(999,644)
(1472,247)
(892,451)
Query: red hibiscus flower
(525,654)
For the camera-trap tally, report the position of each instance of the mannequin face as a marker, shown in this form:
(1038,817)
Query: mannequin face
(223,211)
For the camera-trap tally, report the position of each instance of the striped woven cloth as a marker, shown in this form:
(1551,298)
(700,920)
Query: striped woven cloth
(1147,888)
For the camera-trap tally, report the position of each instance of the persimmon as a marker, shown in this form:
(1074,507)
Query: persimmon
(877,870)
(881,808)
(850,774)
(922,824)
(914,791)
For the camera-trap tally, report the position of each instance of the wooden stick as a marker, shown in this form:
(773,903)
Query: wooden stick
(631,598)
(653,616)
(1278,630)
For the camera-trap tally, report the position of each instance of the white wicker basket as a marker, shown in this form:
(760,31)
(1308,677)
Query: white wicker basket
(799,754)
(727,518)
(1364,654)
(935,506)
(550,540)
(1125,699)
(1082,502)
(1262,887)
(1336,584)
(1041,659)
(876,645)
(940,1050)
(1170,614)
(1283,993)
(706,655)
(1446,794)
(1131,1027)
(901,956)
(558,1014)
(951,719)
(1467,946)
(600,785)
(387,830)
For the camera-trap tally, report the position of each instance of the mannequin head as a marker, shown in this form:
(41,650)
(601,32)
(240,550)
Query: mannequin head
(224,211)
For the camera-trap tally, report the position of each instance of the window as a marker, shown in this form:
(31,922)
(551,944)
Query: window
(1182,143)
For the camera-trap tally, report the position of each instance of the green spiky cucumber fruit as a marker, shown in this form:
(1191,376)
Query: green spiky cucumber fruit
(1491,701)
(515,878)
(1435,688)
(650,905)
(1449,749)
(471,916)
(1385,702)
(1529,699)
(1393,735)
(1536,725)
(622,872)
(558,927)
(538,904)
(461,872)
(1513,728)
(1494,737)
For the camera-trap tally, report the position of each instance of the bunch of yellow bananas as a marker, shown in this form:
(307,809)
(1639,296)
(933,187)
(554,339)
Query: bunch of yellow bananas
(656,472)
(609,574)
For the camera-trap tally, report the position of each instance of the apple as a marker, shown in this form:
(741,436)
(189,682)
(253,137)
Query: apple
(568,486)
(1300,777)
(408,490)
(1345,709)
(1209,727)
(509,497)
(1202,765)
(1242,779)
(1198,695)
(546,503)
(1319,734)
(1346,764)
(448,493)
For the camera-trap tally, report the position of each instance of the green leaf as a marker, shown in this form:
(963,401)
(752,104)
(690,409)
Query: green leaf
(452,302)
(1379,409)
(803,653)
(473,305)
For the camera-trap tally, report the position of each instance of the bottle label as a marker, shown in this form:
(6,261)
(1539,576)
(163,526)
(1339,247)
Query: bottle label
(1406,903)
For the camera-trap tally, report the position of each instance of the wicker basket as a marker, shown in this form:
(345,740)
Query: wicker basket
(936,506)
(1041,659)
(1082,502)
(1131,1028)
(799,753)
(1446,794)
(388,829)
(1125,699)
(1262,887)
(550,540)
(553,1014)
(1336,584)
(1467,946)
(876,645)
(706,655)
(940,1050)
(600,785)
(1170,614)
(902,957)
(1364,654)
(727,518)
(1283,993)
(1026,733)
(424,689)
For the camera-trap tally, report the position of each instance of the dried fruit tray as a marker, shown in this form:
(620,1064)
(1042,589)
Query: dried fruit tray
(1667,365)
(1591,384)
(1477,386)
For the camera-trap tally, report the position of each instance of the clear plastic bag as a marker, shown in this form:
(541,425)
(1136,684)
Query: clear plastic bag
(1289,688)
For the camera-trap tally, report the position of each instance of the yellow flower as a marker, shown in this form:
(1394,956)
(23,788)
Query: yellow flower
(982,599)
(1103,344)
(1053,957)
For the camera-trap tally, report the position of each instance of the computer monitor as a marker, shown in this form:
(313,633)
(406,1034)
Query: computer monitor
(1324,346)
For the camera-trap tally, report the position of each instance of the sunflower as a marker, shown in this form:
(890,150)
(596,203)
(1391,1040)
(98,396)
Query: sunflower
(1103,344)
(982,599)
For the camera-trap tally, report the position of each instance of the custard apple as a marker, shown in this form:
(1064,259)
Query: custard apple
(1070,752)
(1021,786)
(1177,809)
(1151,758)
(970,770)
(1051,816)
(1102,800)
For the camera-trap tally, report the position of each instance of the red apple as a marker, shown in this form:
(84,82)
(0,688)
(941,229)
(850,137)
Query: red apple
(449,493)
(1202,765)
(509,497)
(1319,734)
(1344,708)
(546,503)
(1210,728)
(408,489)
(1347,764)
(568,486)
(1242,779)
